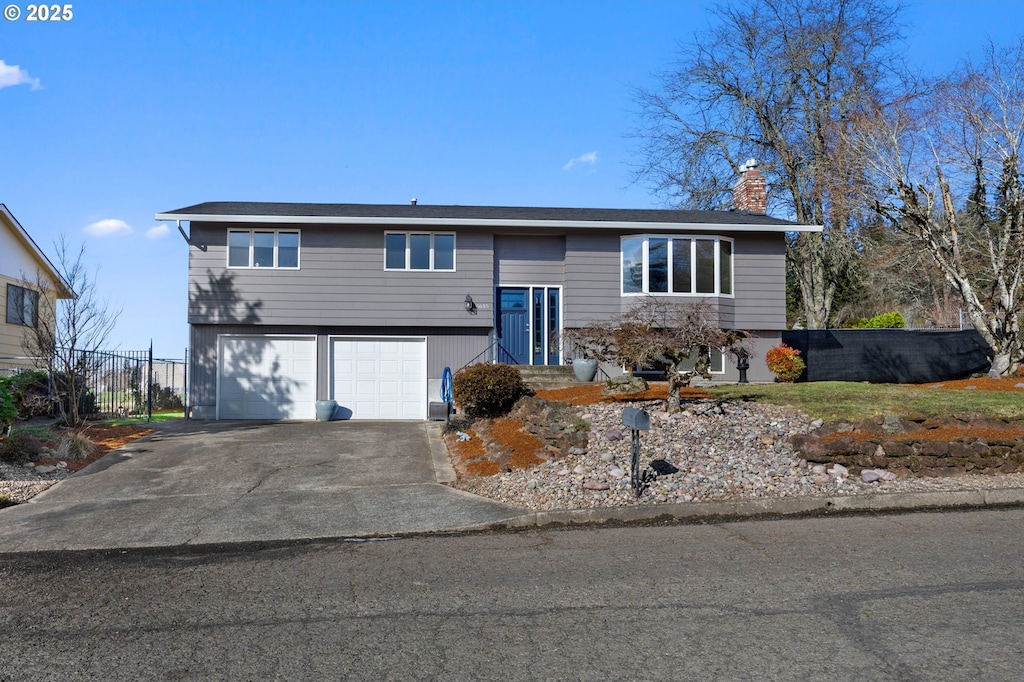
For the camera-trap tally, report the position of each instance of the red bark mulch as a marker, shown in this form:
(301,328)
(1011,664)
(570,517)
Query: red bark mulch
(591,393)
(980,383)
(518,448)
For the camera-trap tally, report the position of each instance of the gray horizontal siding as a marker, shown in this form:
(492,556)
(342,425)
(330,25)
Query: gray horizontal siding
(341,281)
(592,289)
(759,262)
(520,259)
(445,348)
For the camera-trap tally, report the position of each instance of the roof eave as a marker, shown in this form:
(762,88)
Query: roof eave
(484,222)
(63,288)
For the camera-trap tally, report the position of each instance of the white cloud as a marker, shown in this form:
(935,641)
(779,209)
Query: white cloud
(15,75)
(158,232)
(108,227)
(588,158)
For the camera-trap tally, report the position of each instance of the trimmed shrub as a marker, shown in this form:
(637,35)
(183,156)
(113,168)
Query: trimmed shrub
(8,412)
(166,398)
(20,447)
(488,390)
(892,320)
(785,363)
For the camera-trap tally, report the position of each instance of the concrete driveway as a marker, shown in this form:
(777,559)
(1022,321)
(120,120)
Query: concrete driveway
(213,482)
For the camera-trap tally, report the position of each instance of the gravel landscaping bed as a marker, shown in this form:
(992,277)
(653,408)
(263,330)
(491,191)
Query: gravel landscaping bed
(723,450)
(19,483)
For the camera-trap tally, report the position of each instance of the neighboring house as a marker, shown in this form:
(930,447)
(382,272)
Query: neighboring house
(367,304)
(23,266)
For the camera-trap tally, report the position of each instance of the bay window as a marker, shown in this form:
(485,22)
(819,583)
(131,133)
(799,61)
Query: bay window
(669,264)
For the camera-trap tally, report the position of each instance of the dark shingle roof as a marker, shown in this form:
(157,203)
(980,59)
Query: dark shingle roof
(538,214)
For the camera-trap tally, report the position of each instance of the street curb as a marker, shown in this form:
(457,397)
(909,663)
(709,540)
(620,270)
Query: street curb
(749,509)
(444,472)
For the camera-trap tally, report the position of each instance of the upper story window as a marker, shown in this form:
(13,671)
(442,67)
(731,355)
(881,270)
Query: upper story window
(419,251)
(682,265)
(22,306)
(263,249)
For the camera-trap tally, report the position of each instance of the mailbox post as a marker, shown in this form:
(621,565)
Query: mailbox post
(636,420)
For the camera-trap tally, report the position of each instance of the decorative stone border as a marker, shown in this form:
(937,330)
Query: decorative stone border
(918,447)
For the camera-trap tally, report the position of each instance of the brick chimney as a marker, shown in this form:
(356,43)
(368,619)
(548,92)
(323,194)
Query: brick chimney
(749,194)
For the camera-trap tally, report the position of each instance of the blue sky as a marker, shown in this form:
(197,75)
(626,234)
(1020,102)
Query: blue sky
(134,108)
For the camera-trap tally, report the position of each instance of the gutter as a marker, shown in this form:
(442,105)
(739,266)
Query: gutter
(473,222)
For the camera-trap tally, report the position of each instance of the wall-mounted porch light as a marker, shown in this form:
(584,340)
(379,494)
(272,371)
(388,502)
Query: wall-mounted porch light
(470,305)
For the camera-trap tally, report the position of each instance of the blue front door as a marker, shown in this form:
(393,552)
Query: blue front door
(514,326)
(528,323)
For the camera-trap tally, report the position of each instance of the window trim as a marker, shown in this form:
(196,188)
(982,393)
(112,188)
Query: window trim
(252,246)
(721,355)
(693,293)
(20,310)
(408,251)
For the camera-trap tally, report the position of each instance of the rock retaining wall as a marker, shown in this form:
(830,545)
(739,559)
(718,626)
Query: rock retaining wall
(558,424)
(918,447)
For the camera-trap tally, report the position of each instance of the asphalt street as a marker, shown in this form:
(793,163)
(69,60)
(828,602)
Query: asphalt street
(921,596)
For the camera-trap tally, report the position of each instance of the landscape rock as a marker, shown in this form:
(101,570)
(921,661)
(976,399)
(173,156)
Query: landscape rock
(722,457)
(624,384)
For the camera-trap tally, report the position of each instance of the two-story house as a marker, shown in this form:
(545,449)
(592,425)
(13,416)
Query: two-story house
(367,304)
(25,275)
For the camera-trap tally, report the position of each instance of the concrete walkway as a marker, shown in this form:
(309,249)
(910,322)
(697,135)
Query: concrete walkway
(220,482)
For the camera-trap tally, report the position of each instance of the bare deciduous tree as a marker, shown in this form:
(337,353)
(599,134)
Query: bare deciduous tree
(780,80)
(70,331)
(946,171)
(659,331)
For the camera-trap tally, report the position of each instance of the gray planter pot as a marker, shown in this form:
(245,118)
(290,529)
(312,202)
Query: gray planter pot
(325,410)
(585,370)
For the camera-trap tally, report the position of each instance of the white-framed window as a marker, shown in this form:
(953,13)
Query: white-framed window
(682,265)
(419,251)
(263,249)
(22,306)
(717,362)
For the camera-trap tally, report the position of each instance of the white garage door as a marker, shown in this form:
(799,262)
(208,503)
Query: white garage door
(380,378)
(267,377)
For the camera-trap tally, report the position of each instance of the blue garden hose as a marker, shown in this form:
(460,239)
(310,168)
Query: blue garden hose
(446,385)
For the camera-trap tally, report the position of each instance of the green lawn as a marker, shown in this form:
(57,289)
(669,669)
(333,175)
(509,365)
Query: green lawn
(140,420)
(854,401)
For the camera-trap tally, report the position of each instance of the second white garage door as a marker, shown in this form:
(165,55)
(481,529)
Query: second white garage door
(380,378)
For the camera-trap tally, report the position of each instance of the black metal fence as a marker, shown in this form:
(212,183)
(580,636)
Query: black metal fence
(118,383)
(896,356)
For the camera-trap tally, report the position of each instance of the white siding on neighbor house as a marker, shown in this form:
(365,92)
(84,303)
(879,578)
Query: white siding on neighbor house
(341,281)
(15,262)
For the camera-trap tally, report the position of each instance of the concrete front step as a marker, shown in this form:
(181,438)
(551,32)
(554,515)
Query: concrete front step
(548,376)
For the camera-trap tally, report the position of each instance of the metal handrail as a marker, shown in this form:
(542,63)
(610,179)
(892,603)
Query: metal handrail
(492,345)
